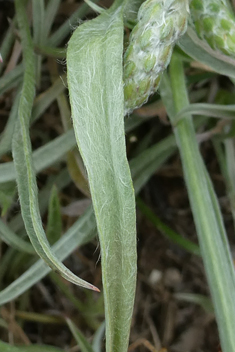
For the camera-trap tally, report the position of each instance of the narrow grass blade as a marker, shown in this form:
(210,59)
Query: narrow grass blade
(25,174)
(200,51)
(13,240)
(11,79)
(213,242)
(203,301)
(90,312)
(50,13)
(98,338)
(145,164)
(79,337)
(7,44)
(44,100)
(211,110)
(54,221)
(7,194)
(97,102)
(6,136)
(166,230)
(80,233)
(60,181)
(226,157)
(65,29)
(5,347)
(38,33)
(42,157)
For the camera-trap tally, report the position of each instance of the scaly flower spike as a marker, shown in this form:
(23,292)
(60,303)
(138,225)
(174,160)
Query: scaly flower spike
(160,25)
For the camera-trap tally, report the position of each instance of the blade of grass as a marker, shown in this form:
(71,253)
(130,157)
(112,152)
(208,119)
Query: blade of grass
(7,195)
(98,120)
(213,243)
(44,100)
(7,44)
(166,230)
(81,232)
(145,164)
(200,51)
(65,29)
(22,151)
(203,301)
(5,347)
(91,318)
(50,13)
(11,79)
(211,110)
(54,221)
(38,33)
(9,237)
(42,157)
(60,181)
(98,338)
(79,337)
(6,136)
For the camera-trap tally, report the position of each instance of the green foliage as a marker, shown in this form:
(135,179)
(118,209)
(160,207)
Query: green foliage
(214,22)
(103,86)
(159,25)
(101,142)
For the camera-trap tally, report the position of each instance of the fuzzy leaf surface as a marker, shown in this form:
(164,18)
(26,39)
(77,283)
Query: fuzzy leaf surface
(94,61)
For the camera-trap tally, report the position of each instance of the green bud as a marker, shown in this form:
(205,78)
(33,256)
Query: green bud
(160,24)
(215,23)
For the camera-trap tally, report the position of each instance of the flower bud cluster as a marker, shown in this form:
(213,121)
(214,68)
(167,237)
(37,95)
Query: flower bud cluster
(215,23)
(160,24)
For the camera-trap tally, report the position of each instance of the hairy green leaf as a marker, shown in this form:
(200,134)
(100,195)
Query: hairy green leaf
(94,62)
(22,153)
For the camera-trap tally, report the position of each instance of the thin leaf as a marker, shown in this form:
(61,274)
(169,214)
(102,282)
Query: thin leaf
(42,157)
(7,44)
(203,301)
(211,110)
(79,337)
(38,33)
(6,136)
(61,180)
(54,221)
(212,238)
(13,240)
(11,79)
(82,231)
(5,347)
(98,338)
(168,232)
(97,102)
(200,51)
(22,151)
(50,13)
(65,29)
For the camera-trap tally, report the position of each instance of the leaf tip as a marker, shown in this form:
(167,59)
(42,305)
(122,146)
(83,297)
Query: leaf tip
(94,288)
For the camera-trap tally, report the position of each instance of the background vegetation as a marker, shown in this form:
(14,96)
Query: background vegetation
(44,190)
